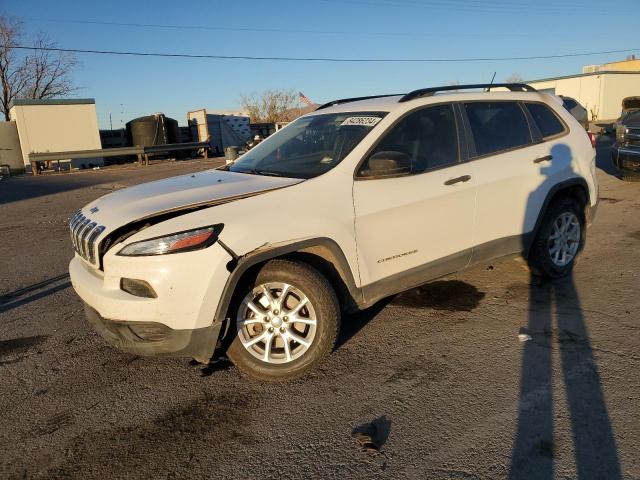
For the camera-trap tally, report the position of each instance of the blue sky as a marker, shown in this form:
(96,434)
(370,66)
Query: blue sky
(133,86)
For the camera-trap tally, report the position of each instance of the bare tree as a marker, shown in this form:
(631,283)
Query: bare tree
(49,71)
(37,75)
(272,106)
(514,78)
(13,70)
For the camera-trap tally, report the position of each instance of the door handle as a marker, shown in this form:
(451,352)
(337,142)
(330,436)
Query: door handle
(546,158)
(453,181)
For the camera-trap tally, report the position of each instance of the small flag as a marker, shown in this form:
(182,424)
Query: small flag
(306,100)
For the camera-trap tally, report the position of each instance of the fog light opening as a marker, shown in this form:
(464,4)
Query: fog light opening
(138,288)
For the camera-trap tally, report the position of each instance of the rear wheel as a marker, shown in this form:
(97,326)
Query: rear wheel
(559,239)
(285,321)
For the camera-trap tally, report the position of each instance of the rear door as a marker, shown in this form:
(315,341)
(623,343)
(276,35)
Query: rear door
(515,166)
(414,220)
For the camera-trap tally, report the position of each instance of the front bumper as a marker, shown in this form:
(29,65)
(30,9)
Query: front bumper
(187,286)
(150,338)
(626,158)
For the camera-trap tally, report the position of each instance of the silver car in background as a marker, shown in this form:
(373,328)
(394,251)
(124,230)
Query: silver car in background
(577,110)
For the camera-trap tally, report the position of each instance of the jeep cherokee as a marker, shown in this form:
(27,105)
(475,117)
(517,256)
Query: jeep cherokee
(359,200)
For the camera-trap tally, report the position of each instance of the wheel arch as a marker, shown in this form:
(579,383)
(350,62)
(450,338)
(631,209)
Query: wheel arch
(576,188)
(324,254)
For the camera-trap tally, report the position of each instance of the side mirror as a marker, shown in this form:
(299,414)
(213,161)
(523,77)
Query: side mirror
(387,163)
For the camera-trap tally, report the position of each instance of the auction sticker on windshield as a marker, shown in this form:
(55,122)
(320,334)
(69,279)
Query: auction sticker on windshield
(361,121)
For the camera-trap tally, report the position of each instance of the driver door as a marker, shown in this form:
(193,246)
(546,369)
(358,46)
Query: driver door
(414,204)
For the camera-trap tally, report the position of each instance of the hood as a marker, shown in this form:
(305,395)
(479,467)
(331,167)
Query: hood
(631,119)
(198,189)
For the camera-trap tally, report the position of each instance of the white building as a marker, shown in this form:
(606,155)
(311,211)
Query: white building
(600,89)
(56,125)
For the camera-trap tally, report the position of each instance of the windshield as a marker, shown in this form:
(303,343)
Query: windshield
(308,147)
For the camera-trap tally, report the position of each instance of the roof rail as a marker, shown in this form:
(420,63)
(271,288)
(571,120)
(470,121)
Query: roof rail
(355,99)
(427,92)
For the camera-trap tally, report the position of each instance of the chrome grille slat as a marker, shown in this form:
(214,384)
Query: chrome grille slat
(92,238)
(76,218)
(81,236)
(72,223)
(85,238)
(74,231)
(79,229)
(84,234)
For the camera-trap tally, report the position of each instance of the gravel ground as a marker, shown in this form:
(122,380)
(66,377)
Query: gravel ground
(438,372)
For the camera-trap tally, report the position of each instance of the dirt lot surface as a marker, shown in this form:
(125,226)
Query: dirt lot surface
(438,374)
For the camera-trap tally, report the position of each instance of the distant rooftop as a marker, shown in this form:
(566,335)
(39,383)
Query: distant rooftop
(54,101)
(589,74)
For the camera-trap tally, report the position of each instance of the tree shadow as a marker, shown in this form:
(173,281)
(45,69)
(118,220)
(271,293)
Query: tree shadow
(534,450)
(25,187)
(31,293)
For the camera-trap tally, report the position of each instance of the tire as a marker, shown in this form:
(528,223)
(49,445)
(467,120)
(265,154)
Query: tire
(544,259)
(277,355)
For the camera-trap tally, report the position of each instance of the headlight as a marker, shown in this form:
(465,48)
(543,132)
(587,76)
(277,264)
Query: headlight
(621,131)
(177,242)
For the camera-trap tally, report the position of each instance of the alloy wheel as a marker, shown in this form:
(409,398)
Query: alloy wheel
(564,239)
(276,323)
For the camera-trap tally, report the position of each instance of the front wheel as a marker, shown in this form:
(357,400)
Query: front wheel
(285,321)
(559,239)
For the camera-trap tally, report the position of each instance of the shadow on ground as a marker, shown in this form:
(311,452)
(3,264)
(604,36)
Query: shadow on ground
(31,293)
(603,155)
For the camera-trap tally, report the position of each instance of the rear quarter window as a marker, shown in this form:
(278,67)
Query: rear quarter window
(497,126)
(547,121)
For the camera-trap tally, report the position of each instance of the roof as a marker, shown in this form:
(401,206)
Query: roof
(391,103)
(590,74)
(54,101)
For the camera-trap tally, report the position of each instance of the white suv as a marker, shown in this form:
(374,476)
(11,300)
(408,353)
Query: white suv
(357,201)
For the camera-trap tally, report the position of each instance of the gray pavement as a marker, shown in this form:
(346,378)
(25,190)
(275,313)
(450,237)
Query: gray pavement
(439,370)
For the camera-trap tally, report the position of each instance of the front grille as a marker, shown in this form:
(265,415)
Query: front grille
(84,234)
(632,136)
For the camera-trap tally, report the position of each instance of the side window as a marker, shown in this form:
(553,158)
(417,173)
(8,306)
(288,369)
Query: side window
(421,141)
(497,126)
(547,121)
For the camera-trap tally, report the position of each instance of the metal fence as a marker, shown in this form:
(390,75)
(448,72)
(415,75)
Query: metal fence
(141,152)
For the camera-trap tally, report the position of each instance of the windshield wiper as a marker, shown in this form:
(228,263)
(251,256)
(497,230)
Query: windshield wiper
(266,173)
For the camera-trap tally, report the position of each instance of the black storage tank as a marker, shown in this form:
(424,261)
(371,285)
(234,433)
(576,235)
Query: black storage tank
(156,129)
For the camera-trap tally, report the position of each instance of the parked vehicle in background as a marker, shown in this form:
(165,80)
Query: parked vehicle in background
(577,110)
(629,105)
(626,149)
(359,200)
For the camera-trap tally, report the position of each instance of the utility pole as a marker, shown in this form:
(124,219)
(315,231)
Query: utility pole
(110,122)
